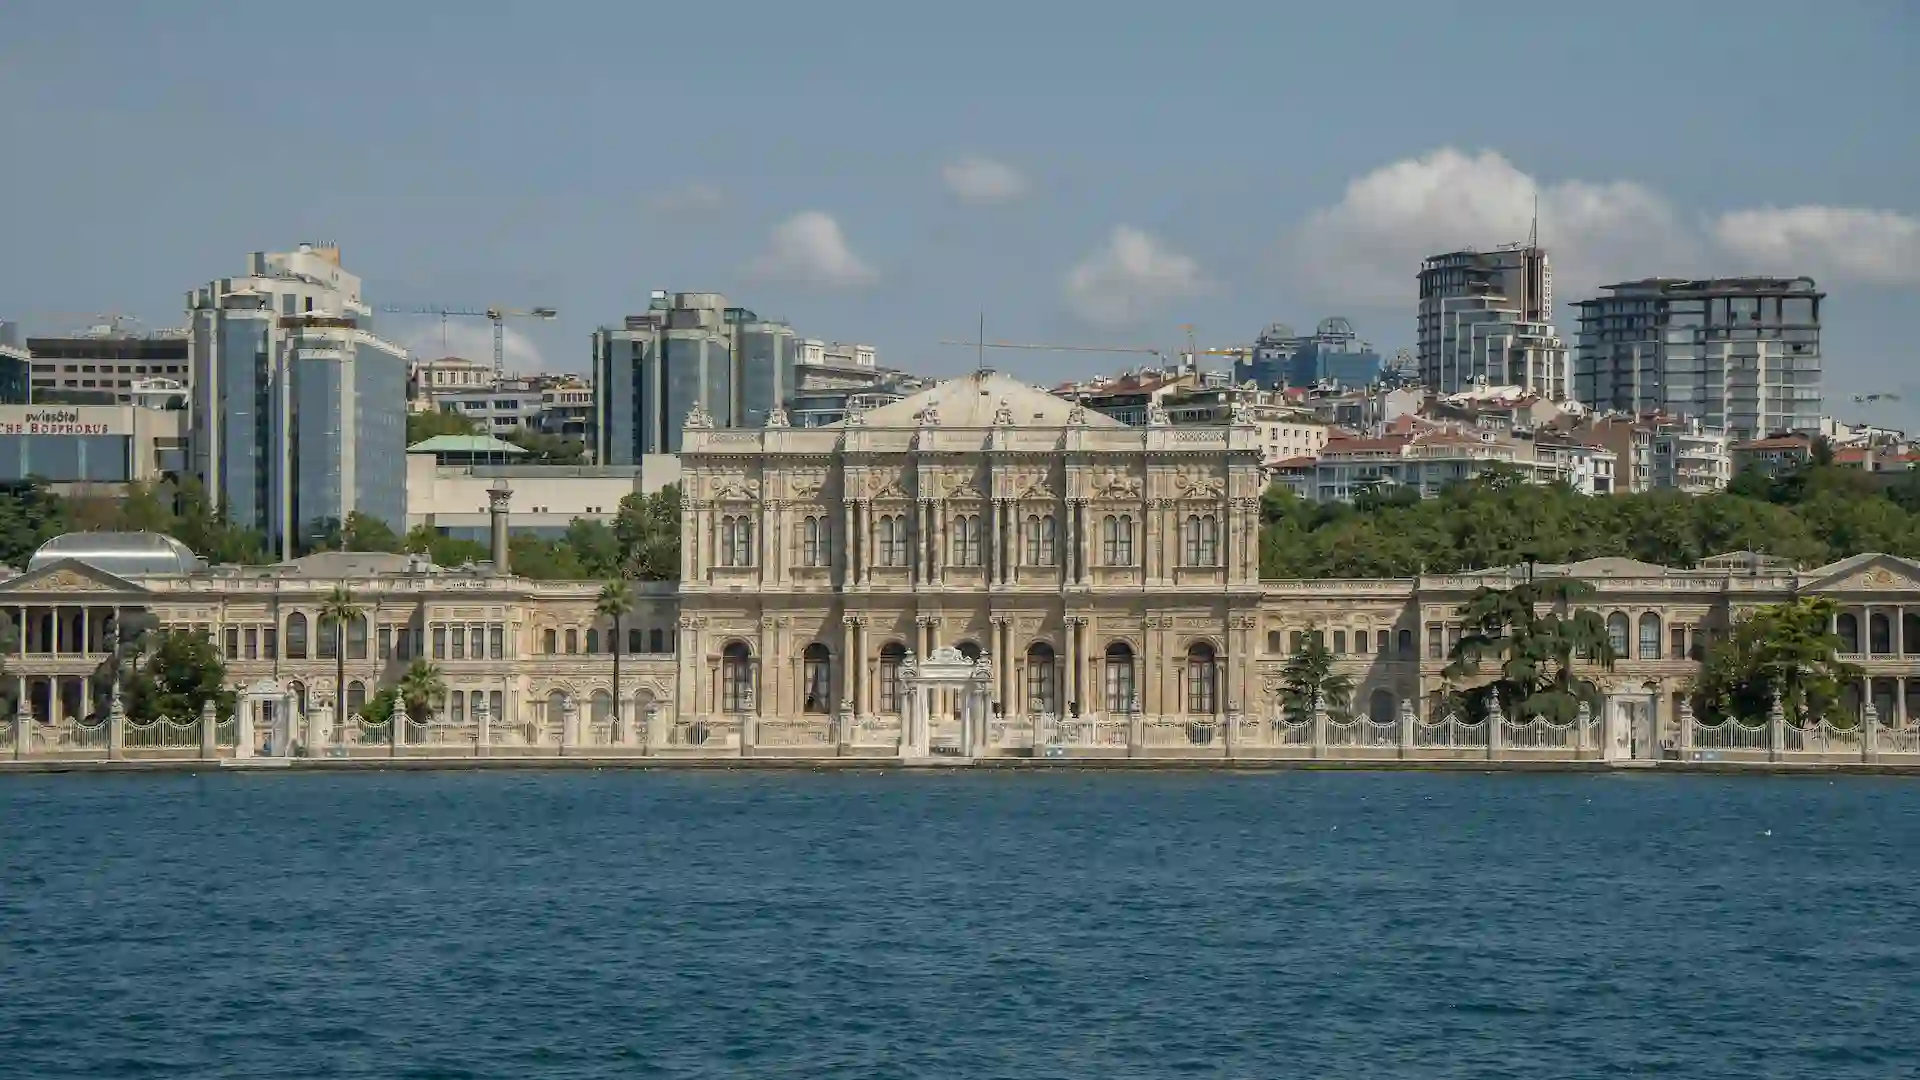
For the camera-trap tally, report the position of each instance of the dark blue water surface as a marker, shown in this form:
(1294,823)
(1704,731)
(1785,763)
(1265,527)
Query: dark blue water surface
(1051,925)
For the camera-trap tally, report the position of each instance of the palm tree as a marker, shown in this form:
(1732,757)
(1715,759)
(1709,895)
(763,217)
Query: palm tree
(615,603)
(422,690)
(1309,678)
(338,611)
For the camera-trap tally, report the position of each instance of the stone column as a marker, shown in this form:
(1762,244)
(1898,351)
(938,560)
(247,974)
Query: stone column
(1776,729)
(1407,718)
(23,725)
(483,723)
(1066,661)
(116,730)
(1683,720)
(209,731)
(569,724)
(849,556)
(243,728)
(1869,732)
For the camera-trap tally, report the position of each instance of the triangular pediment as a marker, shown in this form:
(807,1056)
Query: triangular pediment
(1871,572)
(70,576)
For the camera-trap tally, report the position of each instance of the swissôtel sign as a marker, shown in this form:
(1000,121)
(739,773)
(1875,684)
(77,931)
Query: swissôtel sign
(71,420)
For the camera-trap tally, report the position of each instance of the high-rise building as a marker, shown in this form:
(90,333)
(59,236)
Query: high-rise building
(1742,355)
(688,349)
(299,410)
(1333,355)
(1486,318)
(105,364)
(15,364)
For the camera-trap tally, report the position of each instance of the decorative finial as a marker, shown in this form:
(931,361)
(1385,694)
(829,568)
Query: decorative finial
(1003,414)
(1077,416)
(777,417)
(699,418)
(1157,415)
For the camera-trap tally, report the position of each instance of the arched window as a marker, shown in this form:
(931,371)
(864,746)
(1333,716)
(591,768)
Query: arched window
(816,679)
(892,655)
(1203,540)
(1649,636)
(813,547)
(969,650)
(357,638)
(1040,679)
(556,707)
(1848,628)
(602,707)
(296,636)
(1879,634)
(1040,538)
(736,540)
(1120,677)
(1380,707)
(1617,633)
(299,692)
(356,696)
(1116,540)
(966,540)
(893,540)
(736,678)
(1203,698)
(1406,644)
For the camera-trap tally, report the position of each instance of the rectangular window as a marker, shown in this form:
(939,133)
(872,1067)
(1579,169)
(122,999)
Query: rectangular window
(419,641)
(439,641)
(476,641)
(253,643)
(1380,642)
(233,643)
(1295,641)
(384,642)
(459,644)
(1339,643)
(656,641)
(1360,642)
(330,641)
(270,642)
(549,642)
(1677,643)
(497,642)
(1434,651)
(1453,638)
(573,641)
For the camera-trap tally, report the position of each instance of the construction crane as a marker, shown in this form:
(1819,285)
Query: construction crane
(496,314)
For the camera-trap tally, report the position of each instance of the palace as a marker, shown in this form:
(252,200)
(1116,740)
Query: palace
(949,572)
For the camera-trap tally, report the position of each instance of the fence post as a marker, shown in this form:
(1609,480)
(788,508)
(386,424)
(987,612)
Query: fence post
(1776,729)
(1684,718)
(749,712)
(653,734)
(483,722)
(1870,732)
(116,728)
(209,731)
(1233,731)
(1496,727)
(1136,731)
(569,725)
(1582,719)
(23,726)
(1319,727)
(1407,719)
(243,729)
(397,723)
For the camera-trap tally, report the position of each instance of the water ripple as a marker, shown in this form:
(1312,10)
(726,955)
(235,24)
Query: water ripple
(1127,927)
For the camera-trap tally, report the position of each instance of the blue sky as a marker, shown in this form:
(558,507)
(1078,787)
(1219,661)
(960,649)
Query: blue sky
(883,172)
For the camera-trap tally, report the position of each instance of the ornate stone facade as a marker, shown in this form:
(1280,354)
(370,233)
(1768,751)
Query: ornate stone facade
(1093,574)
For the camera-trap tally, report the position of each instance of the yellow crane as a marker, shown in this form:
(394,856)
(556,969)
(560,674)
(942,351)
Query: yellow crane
(496,314)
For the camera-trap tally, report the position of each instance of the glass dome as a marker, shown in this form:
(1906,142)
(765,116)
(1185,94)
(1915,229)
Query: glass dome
(126,554)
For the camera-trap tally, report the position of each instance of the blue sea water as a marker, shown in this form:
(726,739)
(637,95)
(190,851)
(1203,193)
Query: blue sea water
(616,924)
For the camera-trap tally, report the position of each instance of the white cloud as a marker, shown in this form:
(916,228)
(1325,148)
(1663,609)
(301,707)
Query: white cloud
(1366,249)
(689,198)
(983,180)
(1878,247)
(467,338)
(809,249)
(1133,275)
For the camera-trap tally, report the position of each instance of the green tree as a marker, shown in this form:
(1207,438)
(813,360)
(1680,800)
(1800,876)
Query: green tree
(1536,649)
(595,546)
(544,560)
(422,689)
(543,449)
(648,528)
(1789,649)
(182,671)
(1309,677)
(444,550)
(30,515)
(615,603)
(337,613)
(364,532)
(199,525)
(422,426)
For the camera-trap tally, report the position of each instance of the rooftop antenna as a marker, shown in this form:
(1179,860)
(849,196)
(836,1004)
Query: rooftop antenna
(1533,234)
(980,346)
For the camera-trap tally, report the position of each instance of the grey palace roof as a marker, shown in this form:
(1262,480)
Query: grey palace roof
(127,554)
